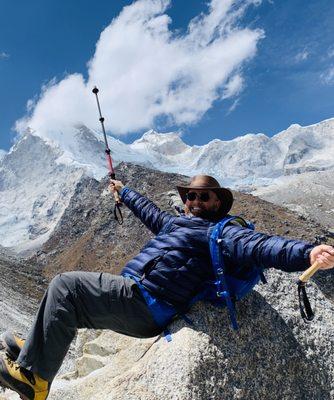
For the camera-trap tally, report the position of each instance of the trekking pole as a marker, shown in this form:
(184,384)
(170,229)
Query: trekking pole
(117,209)
(304,303)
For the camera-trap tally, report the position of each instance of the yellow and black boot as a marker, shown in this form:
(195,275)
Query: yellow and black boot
(28,385)
(12,344)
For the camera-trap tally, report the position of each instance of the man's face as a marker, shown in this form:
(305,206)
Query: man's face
(202,203)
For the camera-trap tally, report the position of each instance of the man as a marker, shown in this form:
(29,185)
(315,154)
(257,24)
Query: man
(157,284)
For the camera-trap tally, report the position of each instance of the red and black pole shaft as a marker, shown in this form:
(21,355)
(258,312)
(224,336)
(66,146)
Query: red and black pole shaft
(118,203)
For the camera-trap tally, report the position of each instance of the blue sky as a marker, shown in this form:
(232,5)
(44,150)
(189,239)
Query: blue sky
(283,73)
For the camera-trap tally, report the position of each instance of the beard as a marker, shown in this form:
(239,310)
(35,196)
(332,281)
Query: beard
(210,215)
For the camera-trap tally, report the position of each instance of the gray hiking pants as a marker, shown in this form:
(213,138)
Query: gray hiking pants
(83,300)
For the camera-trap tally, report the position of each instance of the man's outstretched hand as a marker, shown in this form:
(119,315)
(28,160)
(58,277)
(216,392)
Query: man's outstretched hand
(115,186)
(323,255)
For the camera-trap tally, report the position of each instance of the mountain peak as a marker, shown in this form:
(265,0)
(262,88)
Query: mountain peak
(168,144)
(154,135)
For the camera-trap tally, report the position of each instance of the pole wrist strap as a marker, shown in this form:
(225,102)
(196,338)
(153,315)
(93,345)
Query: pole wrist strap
(304,304)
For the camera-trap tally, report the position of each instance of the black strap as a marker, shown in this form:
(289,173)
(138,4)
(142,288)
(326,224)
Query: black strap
(118,213)
(304,304)
(263,278)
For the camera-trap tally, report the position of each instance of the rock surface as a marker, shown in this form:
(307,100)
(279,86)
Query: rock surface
(19,280)
(308,194)
(273,355)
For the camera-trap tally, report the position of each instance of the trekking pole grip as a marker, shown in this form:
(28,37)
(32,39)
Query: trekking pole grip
(117,198)
(306,275)
(115,193)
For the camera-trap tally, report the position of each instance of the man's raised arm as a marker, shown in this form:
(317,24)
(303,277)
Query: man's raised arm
(143,208)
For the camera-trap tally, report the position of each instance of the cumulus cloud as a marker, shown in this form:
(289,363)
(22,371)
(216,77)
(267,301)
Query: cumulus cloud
(146,71)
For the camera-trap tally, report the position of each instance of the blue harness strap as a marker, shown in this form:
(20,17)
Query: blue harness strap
(161,311)
(218,267)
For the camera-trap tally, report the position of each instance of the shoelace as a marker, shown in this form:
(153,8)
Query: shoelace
(12,363)
(29,375)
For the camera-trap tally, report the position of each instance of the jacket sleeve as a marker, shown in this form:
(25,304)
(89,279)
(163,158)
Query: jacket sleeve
(144,209)
(244,247)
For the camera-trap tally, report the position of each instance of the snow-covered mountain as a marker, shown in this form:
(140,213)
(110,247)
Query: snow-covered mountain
(38,175)
(35,190)
(248,159)
(2,154)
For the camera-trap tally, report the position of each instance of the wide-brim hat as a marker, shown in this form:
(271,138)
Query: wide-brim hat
(209,183)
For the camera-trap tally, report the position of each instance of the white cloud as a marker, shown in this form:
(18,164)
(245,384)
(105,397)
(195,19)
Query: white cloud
(327,77)
(4,55)
(301,56)
(145,71)
(233,106)
(233,86)
(330,52)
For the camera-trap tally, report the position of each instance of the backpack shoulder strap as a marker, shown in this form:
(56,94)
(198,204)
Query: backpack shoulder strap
(219,269)
(218,261)
(230,219)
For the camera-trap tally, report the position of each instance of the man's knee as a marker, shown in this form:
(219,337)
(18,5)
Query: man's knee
(64,283)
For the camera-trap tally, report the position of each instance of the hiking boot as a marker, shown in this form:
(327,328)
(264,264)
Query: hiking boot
(27,384)
(12,344)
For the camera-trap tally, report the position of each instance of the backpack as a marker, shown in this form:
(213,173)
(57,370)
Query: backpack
(228,289)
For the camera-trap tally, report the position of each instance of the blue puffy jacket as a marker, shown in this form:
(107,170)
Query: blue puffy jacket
(174,265)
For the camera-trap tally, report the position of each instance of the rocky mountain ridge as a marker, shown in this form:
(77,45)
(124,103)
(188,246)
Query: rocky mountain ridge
(38,176)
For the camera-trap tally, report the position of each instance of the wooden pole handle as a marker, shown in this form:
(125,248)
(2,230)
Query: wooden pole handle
(306,275)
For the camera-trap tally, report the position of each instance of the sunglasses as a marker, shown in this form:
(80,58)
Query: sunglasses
(203,196)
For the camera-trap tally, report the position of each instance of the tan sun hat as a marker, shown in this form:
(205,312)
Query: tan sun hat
(209,183)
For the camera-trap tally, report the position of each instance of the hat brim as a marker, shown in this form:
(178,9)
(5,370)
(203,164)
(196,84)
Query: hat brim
(224,195)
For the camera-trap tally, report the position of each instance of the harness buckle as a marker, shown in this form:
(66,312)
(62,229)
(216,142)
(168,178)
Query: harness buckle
(223,294)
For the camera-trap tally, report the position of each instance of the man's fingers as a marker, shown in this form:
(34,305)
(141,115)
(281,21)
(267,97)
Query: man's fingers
(323,259)
(326,260)
(323,255)
(326,247)
(115,186)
